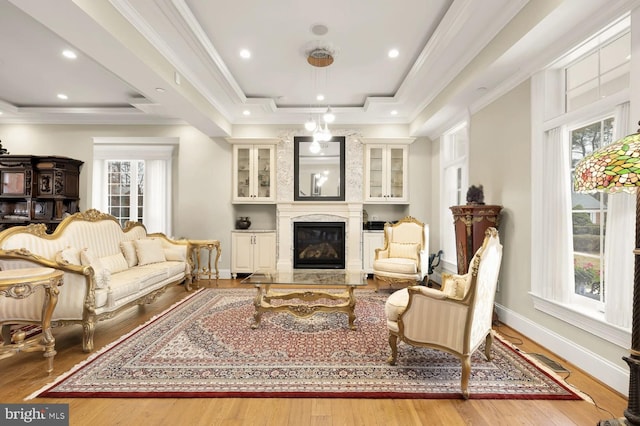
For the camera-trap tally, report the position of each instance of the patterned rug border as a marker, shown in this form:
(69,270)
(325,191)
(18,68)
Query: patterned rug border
(44,392)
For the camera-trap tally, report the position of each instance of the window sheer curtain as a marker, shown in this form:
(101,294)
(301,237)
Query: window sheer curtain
(619,242)
(555,264)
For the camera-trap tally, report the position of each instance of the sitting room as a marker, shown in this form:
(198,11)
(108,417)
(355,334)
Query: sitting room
(343,213)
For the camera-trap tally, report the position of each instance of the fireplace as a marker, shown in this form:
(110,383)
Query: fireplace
(319,245)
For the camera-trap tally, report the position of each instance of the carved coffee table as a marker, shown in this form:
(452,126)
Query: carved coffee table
(309,286)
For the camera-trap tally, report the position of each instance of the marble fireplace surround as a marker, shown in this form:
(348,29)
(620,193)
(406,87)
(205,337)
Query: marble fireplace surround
(348,211)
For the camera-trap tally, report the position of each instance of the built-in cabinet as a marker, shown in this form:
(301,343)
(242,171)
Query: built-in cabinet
(38,189)
(386,172)
(371,240)
(252,251)
(253,173)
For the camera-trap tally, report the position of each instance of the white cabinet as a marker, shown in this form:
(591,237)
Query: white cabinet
(386,174)
(253,173)
(371,240)
(252,251)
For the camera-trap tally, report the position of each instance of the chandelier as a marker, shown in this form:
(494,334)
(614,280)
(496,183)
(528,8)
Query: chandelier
(320,57)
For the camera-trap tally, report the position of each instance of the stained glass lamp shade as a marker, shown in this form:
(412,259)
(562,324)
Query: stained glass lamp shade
(614,168)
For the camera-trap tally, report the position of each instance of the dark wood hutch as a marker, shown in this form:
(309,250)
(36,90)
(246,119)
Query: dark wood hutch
(38,189)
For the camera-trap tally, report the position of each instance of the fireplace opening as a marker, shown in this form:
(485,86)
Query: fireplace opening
(318,245)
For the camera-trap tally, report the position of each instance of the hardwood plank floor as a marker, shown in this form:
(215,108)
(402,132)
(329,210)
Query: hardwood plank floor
(24,374)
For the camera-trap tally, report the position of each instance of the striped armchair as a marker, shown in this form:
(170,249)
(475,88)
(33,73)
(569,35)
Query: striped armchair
(457,318)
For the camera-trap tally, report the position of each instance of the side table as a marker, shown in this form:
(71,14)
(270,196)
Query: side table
(23,284)
(199,268)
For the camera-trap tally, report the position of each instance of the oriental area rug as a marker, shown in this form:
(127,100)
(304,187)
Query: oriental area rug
(204,347)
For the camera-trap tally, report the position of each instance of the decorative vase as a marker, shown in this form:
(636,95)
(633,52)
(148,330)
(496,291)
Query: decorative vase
(243,222)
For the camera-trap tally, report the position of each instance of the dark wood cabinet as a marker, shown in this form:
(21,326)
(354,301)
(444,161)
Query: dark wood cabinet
(38,189)
(470,222)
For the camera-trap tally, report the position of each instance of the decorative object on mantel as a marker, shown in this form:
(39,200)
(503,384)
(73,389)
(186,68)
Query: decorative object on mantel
(470,222)
(475,195)
(243,222)
(614,168)
(3,151)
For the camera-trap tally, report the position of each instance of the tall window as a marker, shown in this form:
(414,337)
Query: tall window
(125,190)
(454,170)
(132,180)
(589,215)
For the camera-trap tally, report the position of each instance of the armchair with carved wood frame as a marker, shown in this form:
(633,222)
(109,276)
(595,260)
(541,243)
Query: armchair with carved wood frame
(455,319)
(404,259)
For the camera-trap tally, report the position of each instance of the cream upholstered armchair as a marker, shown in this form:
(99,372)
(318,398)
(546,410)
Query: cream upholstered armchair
(404,259)
(457,318)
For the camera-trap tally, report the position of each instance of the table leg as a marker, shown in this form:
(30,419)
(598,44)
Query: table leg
(257,303)
(352,309)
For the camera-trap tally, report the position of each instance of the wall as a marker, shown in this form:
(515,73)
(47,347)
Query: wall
(500,151)
(202,172)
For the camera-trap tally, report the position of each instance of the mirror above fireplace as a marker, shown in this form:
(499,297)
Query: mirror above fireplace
(319,169)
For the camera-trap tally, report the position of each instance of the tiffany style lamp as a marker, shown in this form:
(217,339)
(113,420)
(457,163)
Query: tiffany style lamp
(615,168)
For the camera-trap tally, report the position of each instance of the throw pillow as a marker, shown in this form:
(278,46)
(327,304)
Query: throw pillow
(149,250)
(69,255)
(115,263)
(406,250)
(455,286)
(129,252)
(102,274)
(175,254)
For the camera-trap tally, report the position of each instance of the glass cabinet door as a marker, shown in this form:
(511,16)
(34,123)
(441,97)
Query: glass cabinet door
(375,188)
(243,173)
(396,173)
(253,173)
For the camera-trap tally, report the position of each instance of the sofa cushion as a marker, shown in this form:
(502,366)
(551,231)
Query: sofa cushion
(396,304)
(175,254)
(404,250)
(456,286)
(149,250)
(114,263)
(129,252)
(396,265)
(70,255)
(102,274)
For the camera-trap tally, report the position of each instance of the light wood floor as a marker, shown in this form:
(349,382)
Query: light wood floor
(25,373)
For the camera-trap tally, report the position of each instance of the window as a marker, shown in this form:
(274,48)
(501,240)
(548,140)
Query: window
(125,190)
(582,102)
(598,74)
(454,172)
(132,180)
(589,217)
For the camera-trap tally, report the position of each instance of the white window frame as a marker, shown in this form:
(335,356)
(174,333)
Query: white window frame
(547,91)
(460,162)
(158,189)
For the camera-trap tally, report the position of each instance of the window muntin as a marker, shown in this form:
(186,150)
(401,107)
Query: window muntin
(598,74)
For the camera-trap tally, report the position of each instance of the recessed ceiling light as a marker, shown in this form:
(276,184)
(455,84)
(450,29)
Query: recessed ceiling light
(62,96)
(320,97)
(246,112)
(394,112)
(159,90)
(244,53)
(69,54)
(393,53)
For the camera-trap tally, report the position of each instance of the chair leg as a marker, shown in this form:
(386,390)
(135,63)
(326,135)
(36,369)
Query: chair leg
(393,343)
(487,346)
(466,372)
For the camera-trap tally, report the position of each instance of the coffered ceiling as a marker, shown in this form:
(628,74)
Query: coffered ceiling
(179,61)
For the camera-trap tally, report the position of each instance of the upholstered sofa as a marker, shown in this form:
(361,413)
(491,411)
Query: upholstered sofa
(106,268)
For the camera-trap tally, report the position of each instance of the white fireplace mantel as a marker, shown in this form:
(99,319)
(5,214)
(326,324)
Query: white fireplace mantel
(349,213)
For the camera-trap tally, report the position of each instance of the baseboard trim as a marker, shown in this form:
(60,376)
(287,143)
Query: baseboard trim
(600,368)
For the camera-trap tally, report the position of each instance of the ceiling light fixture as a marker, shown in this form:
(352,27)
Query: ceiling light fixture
(62,96)
(393,53)
(320,57)
(245,54)
(69,54)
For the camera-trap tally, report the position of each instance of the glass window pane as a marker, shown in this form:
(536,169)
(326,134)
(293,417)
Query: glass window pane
(615,53)
(582,71)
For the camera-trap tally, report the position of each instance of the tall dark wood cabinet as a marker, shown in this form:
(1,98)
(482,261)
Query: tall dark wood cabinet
(38,189)
(470,222)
